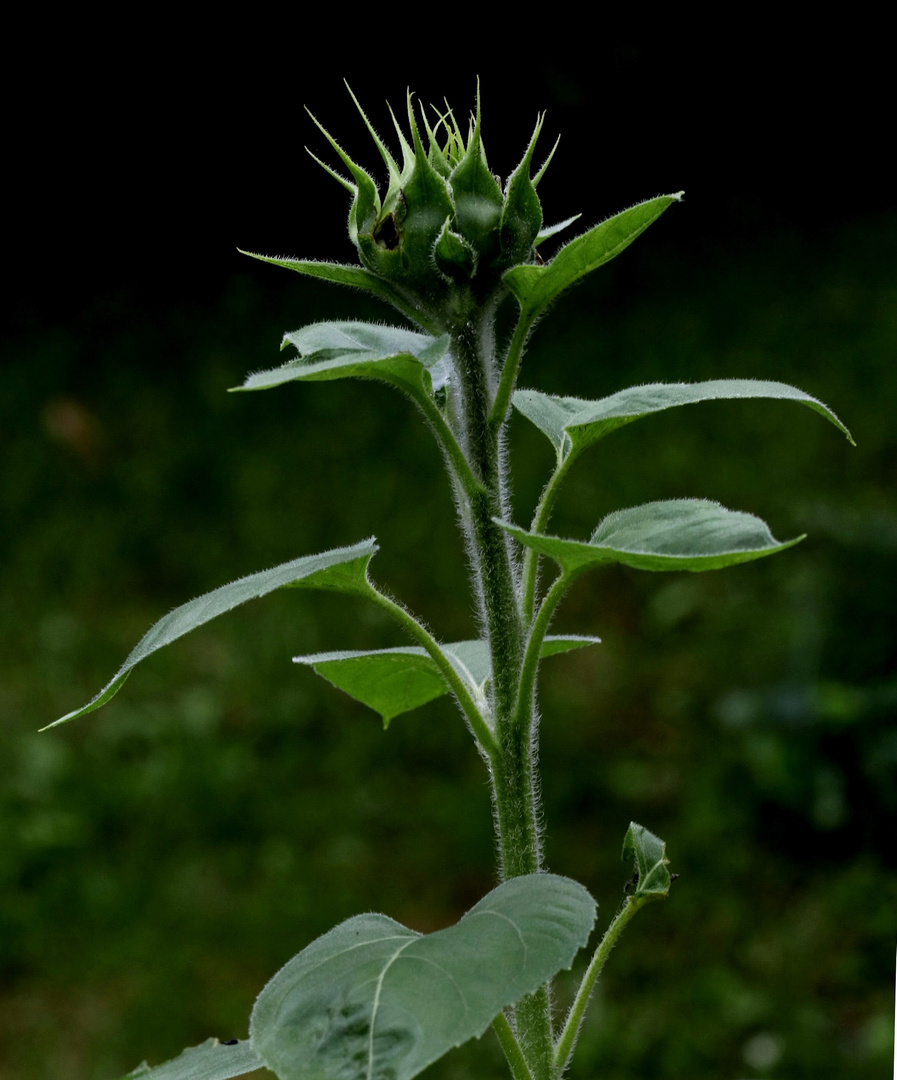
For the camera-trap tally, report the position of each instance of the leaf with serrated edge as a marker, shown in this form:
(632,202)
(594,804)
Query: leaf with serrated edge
(211,1060)
(678,534)
(340,570)
(416,363)
(536,286)
(648,852)
(373,999)
(394,681)
(572,425)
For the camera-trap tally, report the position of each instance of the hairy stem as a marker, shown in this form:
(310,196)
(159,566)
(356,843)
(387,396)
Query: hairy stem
(493,557)
(499,411)
(573,1023)
(519,1068)
(478,724)
(540,520)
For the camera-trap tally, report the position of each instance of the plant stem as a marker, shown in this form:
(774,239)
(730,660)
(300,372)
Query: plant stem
(499,411)
(493,558)
(540,520)
(530,665)
(519,1068)
(478,724)
(567,1039)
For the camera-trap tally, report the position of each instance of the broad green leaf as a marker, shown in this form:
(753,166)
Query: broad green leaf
(536,286)
(212,1060)
(572,425)
(394,681)
(648,852)
(341,570)
(419,364)
(678,534)
(374,999)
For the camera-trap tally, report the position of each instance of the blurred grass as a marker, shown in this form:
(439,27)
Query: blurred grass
(161,858)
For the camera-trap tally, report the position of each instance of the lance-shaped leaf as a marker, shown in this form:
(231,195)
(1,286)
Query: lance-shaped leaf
(572,425)
(678,534)
(536,286)
(394,681)
(374,999)
(356,277)
(552,230)
(340,570)
(416,363)
(211,1060)
(648,853)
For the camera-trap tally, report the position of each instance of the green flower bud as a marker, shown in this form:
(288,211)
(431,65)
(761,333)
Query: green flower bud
(444,225)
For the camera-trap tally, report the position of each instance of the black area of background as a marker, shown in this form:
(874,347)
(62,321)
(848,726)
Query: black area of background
(143,156)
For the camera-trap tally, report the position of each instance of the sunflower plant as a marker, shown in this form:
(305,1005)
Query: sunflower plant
(449,245)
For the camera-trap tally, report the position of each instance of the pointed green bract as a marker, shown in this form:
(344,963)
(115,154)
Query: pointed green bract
(340,570)
(536,286)
(678,534)
(572,425)
(211,1060)
(395,681)
(374,999)
(356,277)
(416,363)
(648,853)
(521,215)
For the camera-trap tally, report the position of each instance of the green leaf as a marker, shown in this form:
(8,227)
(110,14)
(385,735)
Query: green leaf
(678,534)
(553,230)
(374,999)
(572,425)
(211,1060)
(648,852)
(419,364)
(356,277)
(341,570)
(394,681)
(536,286)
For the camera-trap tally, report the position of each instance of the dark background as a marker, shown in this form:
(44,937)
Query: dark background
(163,857)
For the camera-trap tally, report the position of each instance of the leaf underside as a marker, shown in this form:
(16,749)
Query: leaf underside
(211,1060)
(572,425)
(678,534)
(394,681)
(340,570)
(416,363)
(373,999)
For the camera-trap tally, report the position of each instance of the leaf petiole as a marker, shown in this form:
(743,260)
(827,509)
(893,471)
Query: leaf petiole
(567,1039)
(511,1048)
(478,722)
(499,411)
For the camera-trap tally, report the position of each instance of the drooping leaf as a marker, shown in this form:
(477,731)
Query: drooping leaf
(211,1060)
(678,534)
(374,999)
(416,363)
(340,570)
(572,425)
(394,681)
(648,852)
(536,286)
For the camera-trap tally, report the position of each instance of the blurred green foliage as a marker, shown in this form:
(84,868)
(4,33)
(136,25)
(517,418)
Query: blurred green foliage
(162,859)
